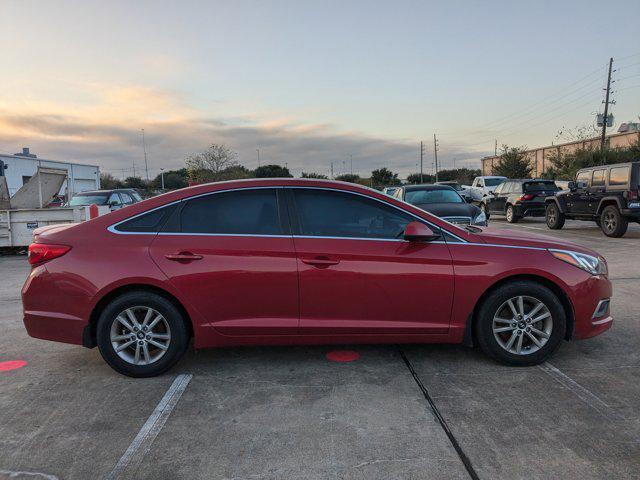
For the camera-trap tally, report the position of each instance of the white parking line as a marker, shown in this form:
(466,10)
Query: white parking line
(36,475)
(582,393)
(150,430)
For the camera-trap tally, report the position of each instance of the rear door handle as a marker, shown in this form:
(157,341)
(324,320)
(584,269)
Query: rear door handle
(320,262)
(182,257)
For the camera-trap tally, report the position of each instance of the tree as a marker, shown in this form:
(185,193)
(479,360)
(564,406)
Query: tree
(416,179)
(207,166)
(383,177)
(173,179)
(314,175)
(513,163)
(463,176)
(135,182)
(348,177)
(109,182)
(272,171)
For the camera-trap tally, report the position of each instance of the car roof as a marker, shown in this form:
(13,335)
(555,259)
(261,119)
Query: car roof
(428,186)
(526,180)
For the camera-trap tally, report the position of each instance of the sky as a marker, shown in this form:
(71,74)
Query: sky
(308,83)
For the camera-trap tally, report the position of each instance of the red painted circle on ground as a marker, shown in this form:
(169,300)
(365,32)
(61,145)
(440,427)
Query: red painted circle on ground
(12,365)
(343,356)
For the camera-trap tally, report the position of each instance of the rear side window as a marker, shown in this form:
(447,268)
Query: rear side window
(540,187)
(324,213)
(598,178)
(241,212)
(147,222)
(619,176)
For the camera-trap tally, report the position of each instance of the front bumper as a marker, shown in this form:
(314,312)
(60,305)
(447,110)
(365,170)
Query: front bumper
(591,308)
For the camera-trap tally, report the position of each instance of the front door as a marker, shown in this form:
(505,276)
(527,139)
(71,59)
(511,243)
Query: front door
(578,200)
(357,274)
(231,256)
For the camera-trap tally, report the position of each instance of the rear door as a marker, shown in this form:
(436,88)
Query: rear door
(232,256)
(357,276)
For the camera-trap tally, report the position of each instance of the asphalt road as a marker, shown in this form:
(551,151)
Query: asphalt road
(288,413)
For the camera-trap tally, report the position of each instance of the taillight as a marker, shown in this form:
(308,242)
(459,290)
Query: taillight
(526,196)
(633,195)
(42,252)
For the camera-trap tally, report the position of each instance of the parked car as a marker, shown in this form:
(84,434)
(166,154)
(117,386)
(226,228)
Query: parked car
(442,201)
(292,261)
(389,190)
(519,198)
(463,190)
(484,185)
(607,195)
(116,199)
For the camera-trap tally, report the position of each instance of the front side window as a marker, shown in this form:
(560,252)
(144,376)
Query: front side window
(619,176)
(114,199)
(583,177)
(598,178)
(126,198)
(492,182)
(241,212)
(324,213)
(420,197)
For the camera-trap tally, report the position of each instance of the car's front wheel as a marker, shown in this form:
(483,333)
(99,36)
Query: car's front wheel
(554,217)
(141,334)
(520,323)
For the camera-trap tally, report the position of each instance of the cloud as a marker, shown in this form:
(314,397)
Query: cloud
(107,132)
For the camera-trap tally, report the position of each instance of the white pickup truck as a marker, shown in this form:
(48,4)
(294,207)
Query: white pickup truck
(483,186)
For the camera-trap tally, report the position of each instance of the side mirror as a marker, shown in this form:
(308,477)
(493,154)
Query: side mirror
(113,203)
(572,186)
(419,232)
(582,185)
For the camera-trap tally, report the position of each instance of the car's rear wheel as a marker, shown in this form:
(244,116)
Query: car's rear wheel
(554,217)
(612,223)
(141,334)
(520,323)
(512,217)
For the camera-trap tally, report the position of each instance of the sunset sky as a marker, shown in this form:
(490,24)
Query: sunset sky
(307,82)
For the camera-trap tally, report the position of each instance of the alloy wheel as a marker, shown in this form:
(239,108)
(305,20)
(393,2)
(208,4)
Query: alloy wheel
(551,216)
(610,221)
(140,335)
(522,325)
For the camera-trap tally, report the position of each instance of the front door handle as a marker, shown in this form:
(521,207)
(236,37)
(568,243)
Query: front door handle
(183,257)
(320,261)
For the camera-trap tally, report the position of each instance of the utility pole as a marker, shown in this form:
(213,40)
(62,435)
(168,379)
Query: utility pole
(162,179)
(258,150)
(435,153)
(495,149)
(606,107)
(421,161)
(144,148)
(351,162)
(331,170)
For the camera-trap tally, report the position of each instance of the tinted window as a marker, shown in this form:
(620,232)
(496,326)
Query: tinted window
(598,178)
(325,213)
(418,197)
(239,212)
(147,222)
(583,177)
(126,198)
(619,176)
(540,186)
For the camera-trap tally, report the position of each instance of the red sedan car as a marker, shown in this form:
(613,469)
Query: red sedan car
(283,261)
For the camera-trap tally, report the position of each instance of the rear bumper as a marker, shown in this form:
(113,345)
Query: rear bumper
(532,210)
(50,313)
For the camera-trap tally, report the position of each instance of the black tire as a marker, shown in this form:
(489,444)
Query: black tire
(554,217)
(485,209)
(512,217)
(598,222)
(612,222)
(491,306)
(177,344)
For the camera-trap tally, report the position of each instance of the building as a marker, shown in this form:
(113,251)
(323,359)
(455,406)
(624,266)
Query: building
(539,157)
(19,168)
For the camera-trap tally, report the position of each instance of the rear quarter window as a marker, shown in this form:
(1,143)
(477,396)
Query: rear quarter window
(540,186)
(147,222)
(619,176)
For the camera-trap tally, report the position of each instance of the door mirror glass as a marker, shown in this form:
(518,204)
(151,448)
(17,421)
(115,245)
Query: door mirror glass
(419,232)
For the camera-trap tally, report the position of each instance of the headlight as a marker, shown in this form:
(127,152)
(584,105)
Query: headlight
(480,219)
(589,263)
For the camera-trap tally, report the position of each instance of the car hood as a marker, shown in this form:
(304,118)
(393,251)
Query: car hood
(450,209)
(528,239)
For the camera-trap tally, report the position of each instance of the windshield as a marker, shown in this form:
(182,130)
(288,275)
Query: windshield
(492,182)
(89,199)
(540,186)
(419,197)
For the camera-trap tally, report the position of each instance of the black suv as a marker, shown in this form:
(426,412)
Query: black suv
(518,198)
(607,194)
